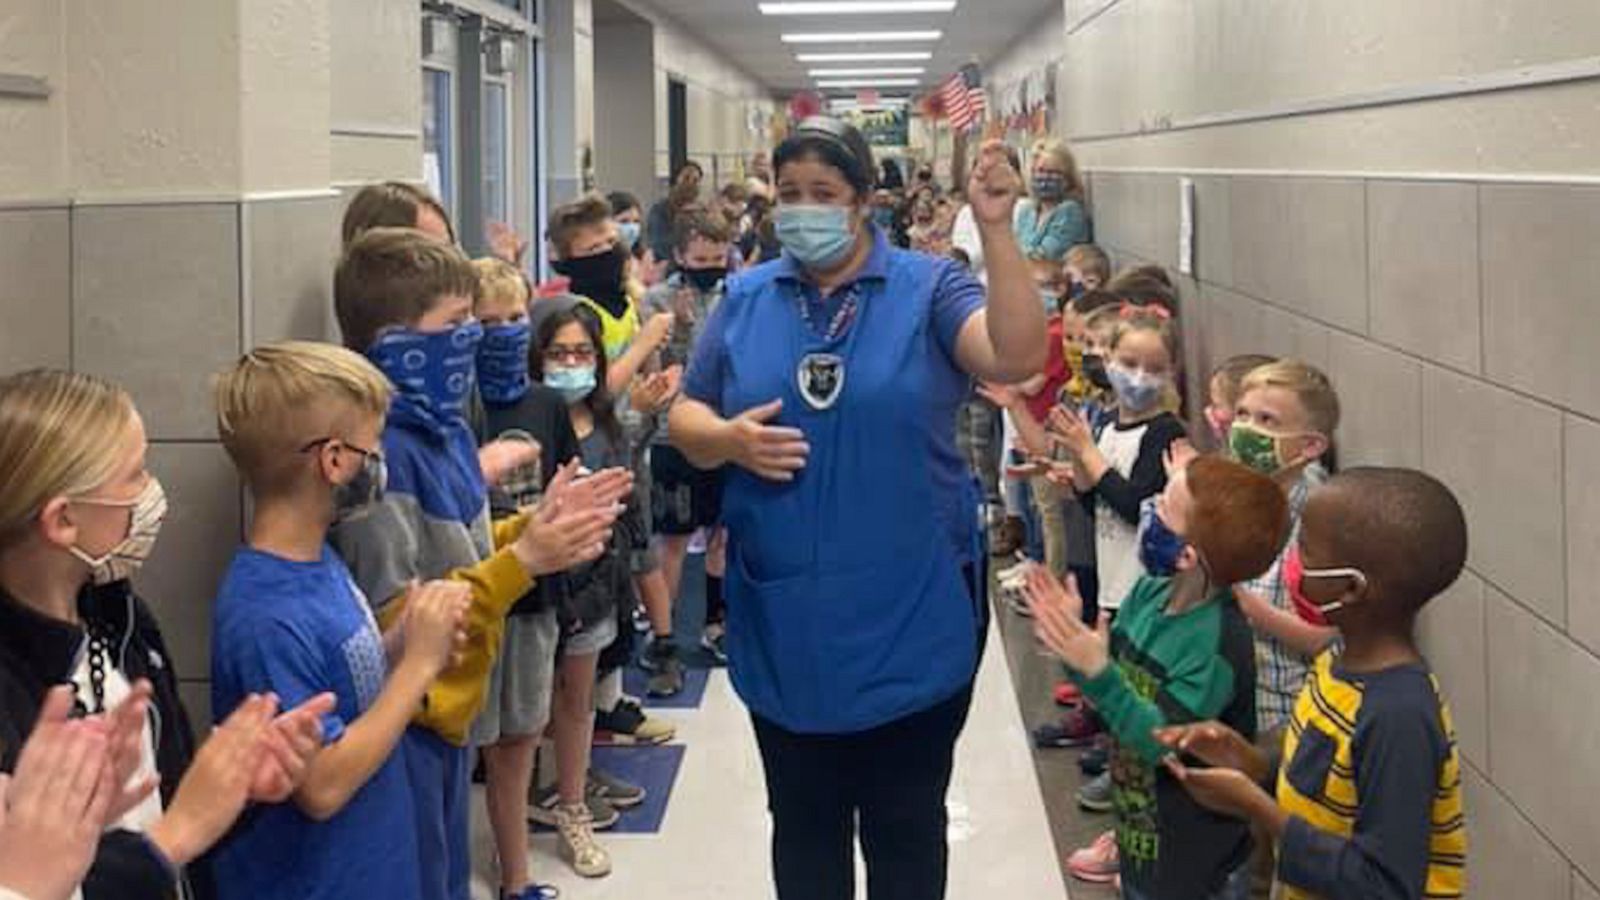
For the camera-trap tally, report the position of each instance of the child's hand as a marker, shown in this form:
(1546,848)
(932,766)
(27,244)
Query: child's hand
(54,807)
(215,789)
(435,621)
(498,459)
(1070,429)
(506,243)
(572,493)
(1004,396)
(1061,474)
(124,727)
(653,393)
(1225,791)
(292,740)
(658,329)
(1178,456)
(572,523)
(1058,622)
(1215,744)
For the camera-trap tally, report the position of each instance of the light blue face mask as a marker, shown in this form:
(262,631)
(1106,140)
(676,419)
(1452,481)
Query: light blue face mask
(817,235)
(1136,391)
(572,384)
(629,233)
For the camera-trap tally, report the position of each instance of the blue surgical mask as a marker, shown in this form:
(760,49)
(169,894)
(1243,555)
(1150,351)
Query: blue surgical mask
(1051,301)
(572,384)
(629,233)
(817,235)
(435,368)
(503,362)
(1159,546)
(1136,391)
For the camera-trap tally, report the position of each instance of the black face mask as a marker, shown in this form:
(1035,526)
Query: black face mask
(706,280)
(1094,369)
(599,278)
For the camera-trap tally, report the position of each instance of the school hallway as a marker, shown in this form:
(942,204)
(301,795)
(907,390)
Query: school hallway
(712,840)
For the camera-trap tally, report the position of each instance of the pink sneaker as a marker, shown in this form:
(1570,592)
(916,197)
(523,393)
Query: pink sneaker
(1096,863)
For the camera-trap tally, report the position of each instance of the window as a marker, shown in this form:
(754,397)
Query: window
(438,136)
(496,152)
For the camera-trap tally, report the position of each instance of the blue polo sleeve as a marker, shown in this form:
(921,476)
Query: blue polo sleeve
(957,296)
(707,364)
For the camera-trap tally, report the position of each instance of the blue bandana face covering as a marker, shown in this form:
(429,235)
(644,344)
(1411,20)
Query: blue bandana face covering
(1159,546)
(503,362)
(818,235)
(435,368)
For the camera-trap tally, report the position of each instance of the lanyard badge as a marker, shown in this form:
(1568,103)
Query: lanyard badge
(820,378)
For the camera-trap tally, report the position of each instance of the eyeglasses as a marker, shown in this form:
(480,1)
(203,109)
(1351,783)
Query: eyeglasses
(557,353)
(343,445)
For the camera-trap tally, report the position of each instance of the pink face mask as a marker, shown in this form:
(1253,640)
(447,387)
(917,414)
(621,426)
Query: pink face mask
(1220,421)
(1295,574)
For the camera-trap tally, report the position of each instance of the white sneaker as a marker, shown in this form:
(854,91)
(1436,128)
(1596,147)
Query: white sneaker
(698,543)
(575,840)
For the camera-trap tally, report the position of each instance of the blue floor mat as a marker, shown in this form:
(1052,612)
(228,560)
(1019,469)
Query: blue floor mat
(653,768)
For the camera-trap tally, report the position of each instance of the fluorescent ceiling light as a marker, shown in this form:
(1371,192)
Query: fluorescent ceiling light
(906,56)
(849,73)
(870,82)
(857,6)
(862,37)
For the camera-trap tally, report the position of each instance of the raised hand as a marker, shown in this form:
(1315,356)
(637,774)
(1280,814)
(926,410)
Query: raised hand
(994,186)
(1070,429)
(1057,621)
(292,740)
(498,459)
(215,789)
(54,807)
(657,329)
(773,452)
(506,243)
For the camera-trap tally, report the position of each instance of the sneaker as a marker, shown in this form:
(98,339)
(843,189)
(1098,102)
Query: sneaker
(546,810)
(1094,761)
(1096,863)
(712,640)
(1095,795)
(613,790)
(534,892)
(1068,694)
(576,843)
(661,660)
(627,724)
(1077,729)
(641,620)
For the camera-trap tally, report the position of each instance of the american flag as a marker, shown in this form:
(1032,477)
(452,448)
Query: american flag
(963,98)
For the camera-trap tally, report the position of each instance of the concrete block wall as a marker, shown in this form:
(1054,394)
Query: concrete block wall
(1458,322)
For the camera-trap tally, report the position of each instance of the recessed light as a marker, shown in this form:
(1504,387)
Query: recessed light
(847,7)
(849,73)
(893,56)
(870,82)
(861,37)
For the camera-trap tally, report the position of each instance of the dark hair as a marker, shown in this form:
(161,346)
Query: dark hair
(700,223)
(1089,301)
(389,204)
(1142,287)
(1402,528)
(1091,260)
(834,143)
(391,277)
(622,201)
(601,404)
(686,166)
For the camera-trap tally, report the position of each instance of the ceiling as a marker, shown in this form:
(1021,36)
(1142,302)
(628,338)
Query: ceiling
(975,31)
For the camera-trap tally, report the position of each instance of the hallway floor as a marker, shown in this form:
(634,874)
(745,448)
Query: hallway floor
(712,840)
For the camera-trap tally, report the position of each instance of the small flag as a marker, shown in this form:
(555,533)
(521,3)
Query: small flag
(963,97)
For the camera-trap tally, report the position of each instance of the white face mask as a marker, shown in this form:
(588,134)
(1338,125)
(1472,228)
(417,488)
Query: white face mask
(121,561)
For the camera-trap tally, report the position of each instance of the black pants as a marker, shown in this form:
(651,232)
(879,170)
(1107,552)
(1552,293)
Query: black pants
(893,779)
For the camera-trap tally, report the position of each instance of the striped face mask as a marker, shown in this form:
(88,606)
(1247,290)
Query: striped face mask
(144,524)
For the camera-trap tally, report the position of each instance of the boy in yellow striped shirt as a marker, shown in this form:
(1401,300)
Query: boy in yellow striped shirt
(1369,790)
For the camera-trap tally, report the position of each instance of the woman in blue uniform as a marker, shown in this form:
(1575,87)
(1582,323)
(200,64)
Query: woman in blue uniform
(828,381)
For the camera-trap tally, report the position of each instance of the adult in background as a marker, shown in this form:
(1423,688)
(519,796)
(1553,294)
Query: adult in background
(1052,219)
(830,380)
(685,191)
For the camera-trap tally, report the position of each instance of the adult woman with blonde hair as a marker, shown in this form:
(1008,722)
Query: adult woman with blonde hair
(79,513)
(1052,219)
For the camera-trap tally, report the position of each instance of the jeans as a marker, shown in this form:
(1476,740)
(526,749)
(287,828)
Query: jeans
(892,779)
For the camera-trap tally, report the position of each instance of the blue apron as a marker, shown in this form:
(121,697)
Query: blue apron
(847,605)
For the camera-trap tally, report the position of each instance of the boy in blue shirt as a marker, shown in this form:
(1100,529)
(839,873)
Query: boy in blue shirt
(301,421)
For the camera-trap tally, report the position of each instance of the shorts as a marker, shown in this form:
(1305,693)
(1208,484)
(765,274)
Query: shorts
(686,499)
(590,639)
(520,685)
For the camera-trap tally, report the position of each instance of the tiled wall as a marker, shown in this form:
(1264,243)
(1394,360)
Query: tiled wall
(1460,325)
(159,297)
